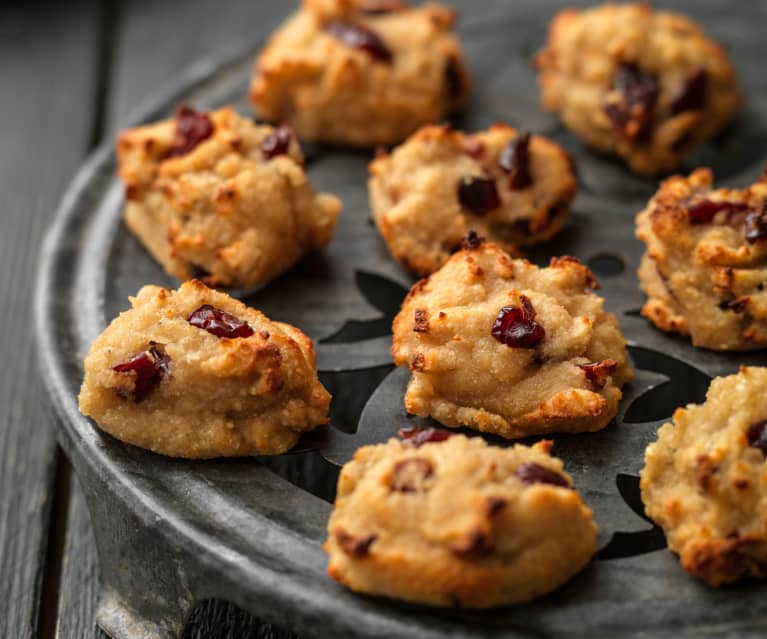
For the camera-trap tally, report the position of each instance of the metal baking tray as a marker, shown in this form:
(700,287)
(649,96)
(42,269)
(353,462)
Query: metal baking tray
(171,533)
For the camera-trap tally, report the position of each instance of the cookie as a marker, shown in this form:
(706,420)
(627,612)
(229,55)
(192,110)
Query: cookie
(705,269)
(195,373)
(361,72)
(705,480)
(457,523)
(502,346)
(647,86)
(511,187)
(214,196)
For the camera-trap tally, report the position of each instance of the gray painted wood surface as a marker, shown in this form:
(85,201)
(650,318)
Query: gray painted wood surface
(46,60)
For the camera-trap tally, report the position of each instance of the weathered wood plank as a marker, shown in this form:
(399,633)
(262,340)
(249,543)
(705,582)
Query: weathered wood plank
(46,54)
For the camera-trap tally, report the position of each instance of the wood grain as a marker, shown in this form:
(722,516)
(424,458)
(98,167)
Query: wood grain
(46,57)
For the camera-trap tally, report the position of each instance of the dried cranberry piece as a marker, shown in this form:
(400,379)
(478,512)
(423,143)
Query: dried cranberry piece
(192,127)
(472,241)
(352,545)
(419,435)
(632,115)
(277,142)
(219,323)
(738,305)
(515,160)
(359,37)
(516,327)
(478,195)
(149,367)
(598,372)
(756,224)
(703,211)
(757,436)
(691,94)
(532,473)
(410,475)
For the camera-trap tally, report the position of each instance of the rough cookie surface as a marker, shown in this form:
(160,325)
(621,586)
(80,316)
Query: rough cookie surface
(644,85)
(705,269)
(361,72)
(705,480)
(214,196)
(505,347)
(195,373)
(513,188)
(457,523)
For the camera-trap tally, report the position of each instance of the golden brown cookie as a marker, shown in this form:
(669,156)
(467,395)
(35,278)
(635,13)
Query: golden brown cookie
(361,72)
(457,523)
(505,347)
(705,269)
(511,187)
(214,196)
(705,480)
(644,85)
(195,373)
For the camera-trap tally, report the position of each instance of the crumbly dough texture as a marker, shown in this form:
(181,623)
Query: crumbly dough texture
(470,532)
(463,376)
(706,486)
(414,194)
(704,280)
(221,397)
(223,212)
(330,92)
(585,49)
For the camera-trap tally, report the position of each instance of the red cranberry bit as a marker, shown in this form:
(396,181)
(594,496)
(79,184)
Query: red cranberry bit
(472,241)
(532,473)
(757,436)
(192,127)
(277,142)
(632,116)
(419,435)
(756,224)
(598,372)
(515,160)
(516,327)
(410,475)
(354,546)
(704,211)
(359,37)
(738,305)
(478,195)
(691,95)
(148,368)
(219,323)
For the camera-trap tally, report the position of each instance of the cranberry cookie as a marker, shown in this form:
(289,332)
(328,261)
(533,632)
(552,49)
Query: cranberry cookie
(214,196)
(194,373)
(644,85)
(457,523)
(705,480)
(505,347)
(361,72)
(705,269)
(513,188)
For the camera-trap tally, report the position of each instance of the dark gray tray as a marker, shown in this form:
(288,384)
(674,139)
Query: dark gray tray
(172,533)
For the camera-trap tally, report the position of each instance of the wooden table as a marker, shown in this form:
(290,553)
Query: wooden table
(71,74)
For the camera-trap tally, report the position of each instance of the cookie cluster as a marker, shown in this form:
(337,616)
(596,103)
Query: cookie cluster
(492,342)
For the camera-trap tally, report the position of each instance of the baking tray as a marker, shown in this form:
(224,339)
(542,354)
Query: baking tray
(172,533)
